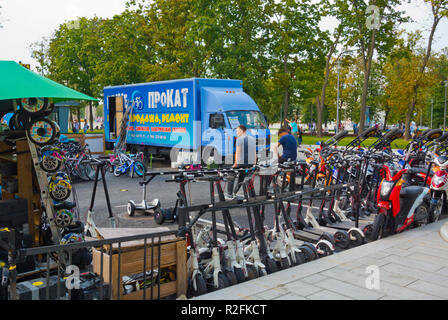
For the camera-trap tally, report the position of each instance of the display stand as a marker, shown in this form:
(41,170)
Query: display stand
(32,185)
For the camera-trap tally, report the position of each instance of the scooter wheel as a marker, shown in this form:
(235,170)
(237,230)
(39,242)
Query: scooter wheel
(323,250)
(368,230)
(63,218)
(342,239)
(60,191)
(300,258)
(130,208)
(329,238)
(356,238)
(284,263)
(223,282)
(33,105)
(252,272)
(239,274)
(378,227)
(262,272)
(271,266)
(231,277)
(311,246)
(308,253)
(158,216)
(42,131)
(201,286)
(50,164)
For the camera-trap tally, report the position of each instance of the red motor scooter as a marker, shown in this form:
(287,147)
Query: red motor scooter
(401,204)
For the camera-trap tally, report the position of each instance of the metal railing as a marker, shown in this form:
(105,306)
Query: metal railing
(110,247)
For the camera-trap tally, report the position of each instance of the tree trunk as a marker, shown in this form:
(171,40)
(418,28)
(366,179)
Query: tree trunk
(407,133)
(320,104)
(385,119)
(70,114)
(410,112)
(286,93)
(91,115)
(78,111)
(319,108)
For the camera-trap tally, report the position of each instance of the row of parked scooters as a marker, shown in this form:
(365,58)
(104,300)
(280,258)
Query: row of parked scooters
(335,199)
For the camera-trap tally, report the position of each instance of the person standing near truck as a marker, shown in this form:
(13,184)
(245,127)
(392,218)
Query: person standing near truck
(245,157)
(294,127)
(299,136)
(289,144)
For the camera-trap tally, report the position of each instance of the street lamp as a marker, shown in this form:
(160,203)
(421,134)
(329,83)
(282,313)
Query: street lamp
(432,107)
(338,67)
(444,112)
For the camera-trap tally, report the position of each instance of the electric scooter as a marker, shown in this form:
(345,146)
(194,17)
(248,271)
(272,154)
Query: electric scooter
(144,205)
(320,242)
(287,235)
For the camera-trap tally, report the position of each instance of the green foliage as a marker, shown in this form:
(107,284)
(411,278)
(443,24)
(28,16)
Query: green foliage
(277,48)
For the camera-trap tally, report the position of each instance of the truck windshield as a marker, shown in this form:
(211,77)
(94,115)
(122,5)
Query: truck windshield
(250,119)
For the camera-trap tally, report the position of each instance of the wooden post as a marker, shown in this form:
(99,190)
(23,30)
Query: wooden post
(25,180)
(181,268)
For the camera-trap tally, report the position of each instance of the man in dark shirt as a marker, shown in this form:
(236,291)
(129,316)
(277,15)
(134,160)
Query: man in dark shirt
(289,144)
(245,157)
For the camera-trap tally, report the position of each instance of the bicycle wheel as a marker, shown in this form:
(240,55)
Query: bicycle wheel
(139,168)
(90,171)
(81,169)
(117,171)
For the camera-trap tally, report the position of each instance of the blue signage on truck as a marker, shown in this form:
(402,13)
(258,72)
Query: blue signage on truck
(188,113)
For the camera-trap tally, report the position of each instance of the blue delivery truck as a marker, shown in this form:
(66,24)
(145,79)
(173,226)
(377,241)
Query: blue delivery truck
(200,115)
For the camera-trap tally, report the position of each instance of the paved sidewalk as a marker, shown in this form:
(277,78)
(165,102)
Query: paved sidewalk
(412,266)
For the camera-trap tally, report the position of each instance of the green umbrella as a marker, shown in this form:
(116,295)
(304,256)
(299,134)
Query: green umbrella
(17,82)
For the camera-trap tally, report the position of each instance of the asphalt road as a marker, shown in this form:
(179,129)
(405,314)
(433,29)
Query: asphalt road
(122,189)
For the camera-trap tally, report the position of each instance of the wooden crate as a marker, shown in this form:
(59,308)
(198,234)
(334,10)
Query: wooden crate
(173,253)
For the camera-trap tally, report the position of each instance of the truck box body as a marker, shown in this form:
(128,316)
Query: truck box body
(188,113)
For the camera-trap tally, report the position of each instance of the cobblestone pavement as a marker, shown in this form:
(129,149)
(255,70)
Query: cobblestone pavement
(409,266)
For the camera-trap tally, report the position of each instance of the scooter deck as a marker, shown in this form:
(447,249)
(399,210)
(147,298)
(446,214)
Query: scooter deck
(307,236)
(347,225)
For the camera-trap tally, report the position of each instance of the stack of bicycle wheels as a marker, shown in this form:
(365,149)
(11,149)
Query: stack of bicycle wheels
(32,116)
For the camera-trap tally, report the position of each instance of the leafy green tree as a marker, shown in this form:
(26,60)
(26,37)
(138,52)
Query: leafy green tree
(71,54)
(239,50)
(293,46)
(125,51)
(372,26)
(400,71)
(439,11)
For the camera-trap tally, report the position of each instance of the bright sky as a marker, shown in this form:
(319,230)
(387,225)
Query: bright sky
(26,21)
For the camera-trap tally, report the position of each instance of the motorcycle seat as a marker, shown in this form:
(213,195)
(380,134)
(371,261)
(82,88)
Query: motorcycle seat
(411,192)
(417,170)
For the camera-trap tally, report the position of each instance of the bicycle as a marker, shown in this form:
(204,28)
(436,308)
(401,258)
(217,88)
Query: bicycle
(129,164)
